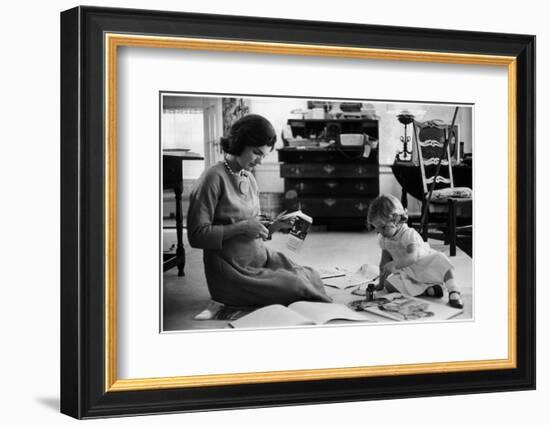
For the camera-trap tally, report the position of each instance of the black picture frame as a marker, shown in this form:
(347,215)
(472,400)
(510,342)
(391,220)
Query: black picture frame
(84,369)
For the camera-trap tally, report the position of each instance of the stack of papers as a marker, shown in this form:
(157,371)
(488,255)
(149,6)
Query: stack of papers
(342,279)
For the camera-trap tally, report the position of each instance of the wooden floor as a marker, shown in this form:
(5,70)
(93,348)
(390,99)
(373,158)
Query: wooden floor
(184,297)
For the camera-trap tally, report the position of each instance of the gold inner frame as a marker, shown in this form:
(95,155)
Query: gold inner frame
(112,41)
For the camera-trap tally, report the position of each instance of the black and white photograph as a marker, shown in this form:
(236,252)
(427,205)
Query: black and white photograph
(283,212)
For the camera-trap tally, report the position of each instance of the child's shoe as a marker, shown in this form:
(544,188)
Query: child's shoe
(434,291)
(455,301)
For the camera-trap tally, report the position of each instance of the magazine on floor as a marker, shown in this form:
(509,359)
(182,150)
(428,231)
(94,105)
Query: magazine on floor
(298,313)
(401,307)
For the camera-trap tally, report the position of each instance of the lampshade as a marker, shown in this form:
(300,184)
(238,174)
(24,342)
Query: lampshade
(396,109)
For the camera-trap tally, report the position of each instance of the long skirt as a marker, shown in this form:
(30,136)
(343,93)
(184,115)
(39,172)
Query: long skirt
(250,274)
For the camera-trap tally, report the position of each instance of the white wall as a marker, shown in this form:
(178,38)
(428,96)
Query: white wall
(278,112)
(29,225)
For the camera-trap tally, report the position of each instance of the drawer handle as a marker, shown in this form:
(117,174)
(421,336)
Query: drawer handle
(332,185)
(361,187)
(360,170)
(295,170)
(329,169)
(301,186)
(361,206)
(329,202)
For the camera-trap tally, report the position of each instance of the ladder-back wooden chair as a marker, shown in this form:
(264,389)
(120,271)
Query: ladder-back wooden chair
(446,208)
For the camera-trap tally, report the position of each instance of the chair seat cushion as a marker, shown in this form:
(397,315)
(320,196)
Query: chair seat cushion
(452,192)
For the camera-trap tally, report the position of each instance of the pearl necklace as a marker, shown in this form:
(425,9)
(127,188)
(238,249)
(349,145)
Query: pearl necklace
(243,184)
(239,174)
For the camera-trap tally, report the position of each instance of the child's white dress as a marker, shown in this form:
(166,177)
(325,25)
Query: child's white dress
(428,270)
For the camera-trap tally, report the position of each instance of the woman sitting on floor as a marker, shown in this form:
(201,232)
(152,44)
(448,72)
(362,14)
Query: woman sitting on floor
(223,221)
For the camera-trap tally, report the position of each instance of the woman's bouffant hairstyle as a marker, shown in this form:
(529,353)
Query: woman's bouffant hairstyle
(250,130)
(387,208)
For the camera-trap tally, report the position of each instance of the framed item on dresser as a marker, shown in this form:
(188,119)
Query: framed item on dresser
(120,70)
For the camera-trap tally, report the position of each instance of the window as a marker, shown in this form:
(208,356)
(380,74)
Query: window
(183,129)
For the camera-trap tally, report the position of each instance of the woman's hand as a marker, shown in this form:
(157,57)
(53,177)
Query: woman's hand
(281,225)
(252,228)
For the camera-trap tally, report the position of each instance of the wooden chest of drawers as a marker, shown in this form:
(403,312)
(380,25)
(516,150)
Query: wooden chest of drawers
(333,185)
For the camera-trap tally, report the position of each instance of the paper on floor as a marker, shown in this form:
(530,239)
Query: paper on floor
(367,273)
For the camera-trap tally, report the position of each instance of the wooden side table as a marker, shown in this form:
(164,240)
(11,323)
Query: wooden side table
(172,178)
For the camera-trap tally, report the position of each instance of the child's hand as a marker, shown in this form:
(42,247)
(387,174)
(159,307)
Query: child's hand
(383,276)
(380,285)
(389,268)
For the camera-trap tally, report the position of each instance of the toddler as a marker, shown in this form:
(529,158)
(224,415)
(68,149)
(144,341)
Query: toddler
(421,269)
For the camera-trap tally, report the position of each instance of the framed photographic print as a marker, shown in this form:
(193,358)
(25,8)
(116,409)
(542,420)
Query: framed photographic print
(261,212)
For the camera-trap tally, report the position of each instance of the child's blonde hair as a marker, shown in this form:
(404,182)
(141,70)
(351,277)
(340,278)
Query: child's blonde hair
(387,208)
